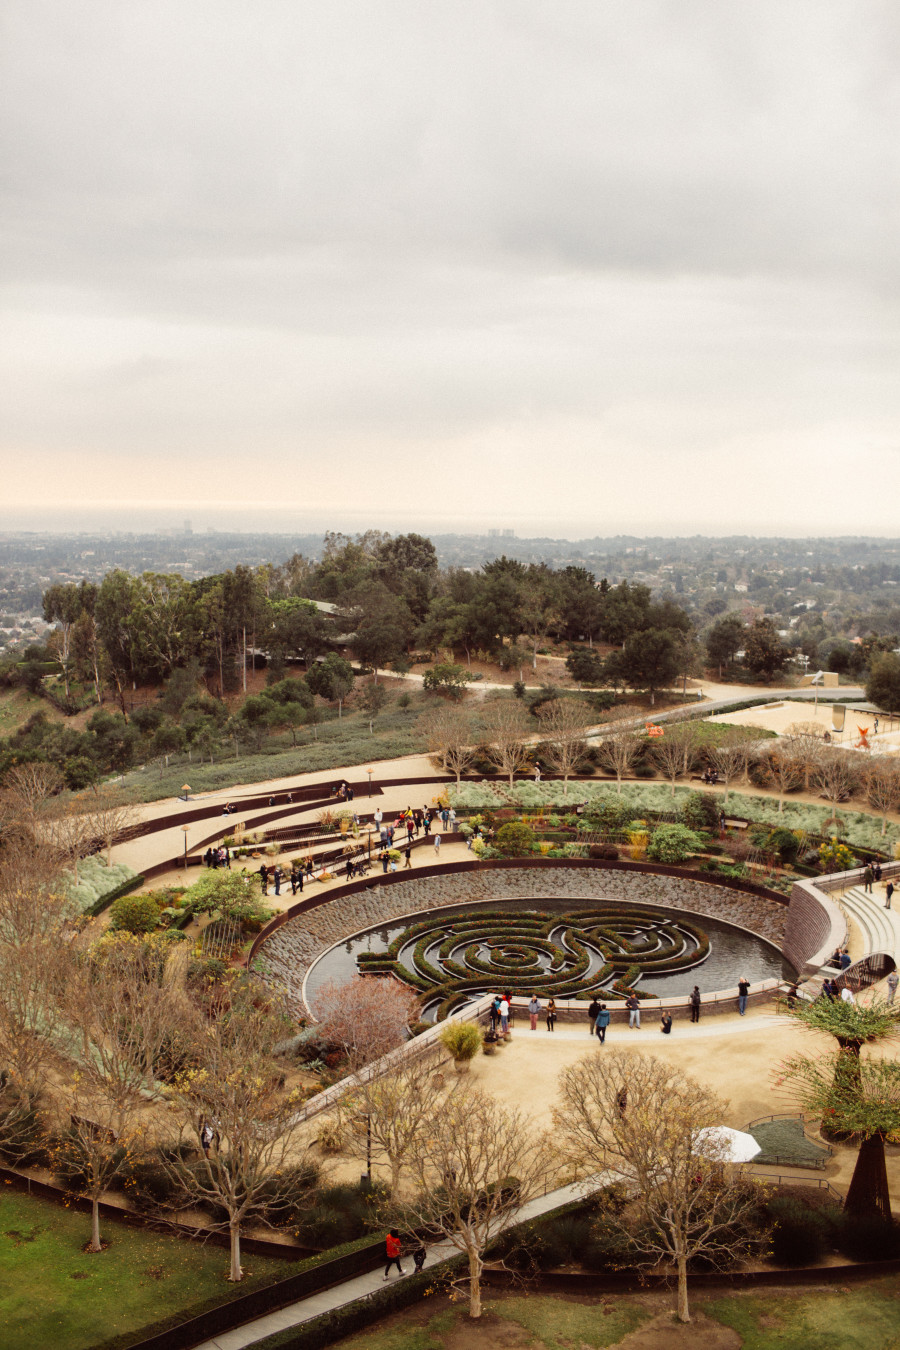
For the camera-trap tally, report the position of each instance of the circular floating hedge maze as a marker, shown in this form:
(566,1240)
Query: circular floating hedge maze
(606,950)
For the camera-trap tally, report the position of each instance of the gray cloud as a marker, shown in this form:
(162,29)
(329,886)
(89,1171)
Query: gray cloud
(660,236)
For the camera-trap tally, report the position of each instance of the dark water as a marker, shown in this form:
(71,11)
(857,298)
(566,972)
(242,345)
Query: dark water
(733,952)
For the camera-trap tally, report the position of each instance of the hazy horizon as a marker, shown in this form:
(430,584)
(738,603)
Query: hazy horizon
(167,521)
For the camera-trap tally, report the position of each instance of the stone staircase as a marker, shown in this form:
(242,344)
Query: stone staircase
(879,927)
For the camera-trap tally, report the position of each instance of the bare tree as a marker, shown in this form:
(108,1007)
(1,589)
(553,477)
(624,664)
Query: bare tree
(730,757)
(806,745)
(783,769)
(366,1016)
(564,725)
(448,731)
(505,729)
(677,750)
(122,1019)
(34,960)
(881,780)
(27,797)
(618,749)
(249,1168)
(68,833)
(643,1121)
(836,776)
(108,816)
(474,1163)
(394,1107)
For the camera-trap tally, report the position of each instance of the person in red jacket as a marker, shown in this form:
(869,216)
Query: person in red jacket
(392,1250)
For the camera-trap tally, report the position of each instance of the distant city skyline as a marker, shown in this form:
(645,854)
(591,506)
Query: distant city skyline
(570,270)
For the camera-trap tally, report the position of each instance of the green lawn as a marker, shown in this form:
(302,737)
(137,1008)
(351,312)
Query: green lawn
(54,1294)
(855,1317)
(852,1317)
(551,1324)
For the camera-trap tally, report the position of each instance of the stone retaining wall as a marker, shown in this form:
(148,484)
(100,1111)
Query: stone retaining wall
(291,949)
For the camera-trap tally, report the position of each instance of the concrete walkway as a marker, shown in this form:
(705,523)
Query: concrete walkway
(363,1286)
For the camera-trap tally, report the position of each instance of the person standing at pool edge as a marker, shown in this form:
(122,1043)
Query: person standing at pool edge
(743,991)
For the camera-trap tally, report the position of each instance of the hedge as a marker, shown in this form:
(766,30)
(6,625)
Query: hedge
(105,901)
(181,1330)
(357,1316)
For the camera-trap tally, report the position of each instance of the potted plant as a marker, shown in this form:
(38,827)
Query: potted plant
(463,1040)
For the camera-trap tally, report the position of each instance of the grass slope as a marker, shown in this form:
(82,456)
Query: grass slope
(54,1294)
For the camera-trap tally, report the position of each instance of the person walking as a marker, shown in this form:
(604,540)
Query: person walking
(419,1258)
(602,1023)
(296,879)
(534,1011)
(632,1003)
(392,1250)
(276,877)
(743,991)
(892,981)
(437,844)
(695,1001)
(264,878)
(868,878)
(593,1009)
(408,859)
(888,894)
(504,1016)
(384,859)
(551,1014)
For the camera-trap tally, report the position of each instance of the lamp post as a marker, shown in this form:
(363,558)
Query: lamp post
(186,788)
(185,828)
(370,772)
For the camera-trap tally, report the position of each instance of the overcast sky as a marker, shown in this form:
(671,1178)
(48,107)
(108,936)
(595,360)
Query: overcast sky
(573,268)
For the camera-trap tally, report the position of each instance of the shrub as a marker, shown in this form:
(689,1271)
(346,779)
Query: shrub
(864,1238)
(801,1235)
(96,880)
(785,843)
(134,914)
(606,852)
(515,839)
(701,810)
(463,1040)
(672,843)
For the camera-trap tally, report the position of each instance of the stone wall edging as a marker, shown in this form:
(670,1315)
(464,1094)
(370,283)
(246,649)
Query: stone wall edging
(291,947)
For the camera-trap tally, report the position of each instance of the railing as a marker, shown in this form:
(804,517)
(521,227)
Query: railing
(817,1183)
(428,1042)
(865,972)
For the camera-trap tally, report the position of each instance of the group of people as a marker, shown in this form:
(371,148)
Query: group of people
(598,1013)
(273,874)
(217,857)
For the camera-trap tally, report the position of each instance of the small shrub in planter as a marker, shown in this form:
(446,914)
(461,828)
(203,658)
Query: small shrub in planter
(605,852)
(463,1040)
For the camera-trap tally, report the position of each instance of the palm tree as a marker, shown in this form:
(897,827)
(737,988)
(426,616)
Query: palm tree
(857,1098)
